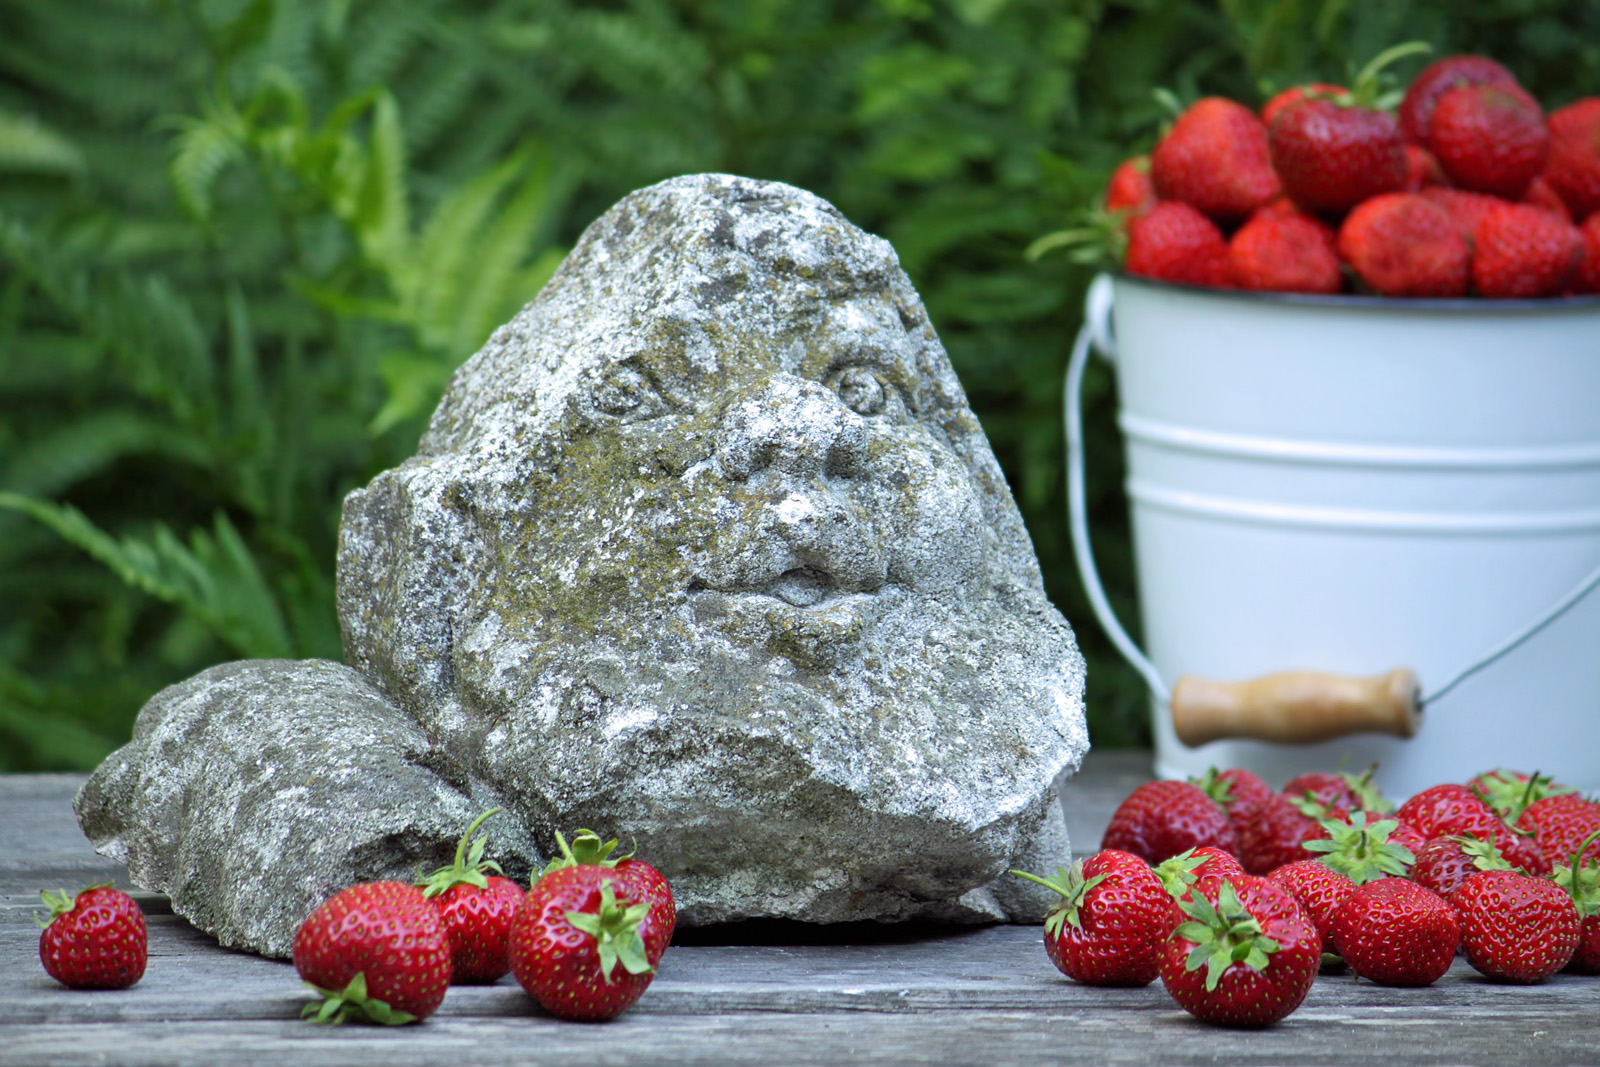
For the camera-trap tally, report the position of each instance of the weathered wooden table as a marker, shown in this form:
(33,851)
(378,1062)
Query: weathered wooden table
(765,993)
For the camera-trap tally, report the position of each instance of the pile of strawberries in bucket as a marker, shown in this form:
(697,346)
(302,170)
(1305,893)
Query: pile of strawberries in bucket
(1236,896)
(1468,189)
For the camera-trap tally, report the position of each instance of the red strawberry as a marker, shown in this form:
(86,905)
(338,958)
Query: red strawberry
(1285,255)
(1444,862)
(374,951)
(1515,927)
(1452,72)
(1401,244)
(1539,193)
(1395,932)
(1525,252)
(1422,169)
(1333,154)
(1241,794)
(1341,790)
(1158,820)
(1320,890)
(639,880)
(1247,958)
(1275,837)
(1587,279)
(1296,93)
(1447,810)
(95,940)
(1573,169)
(1112,920)
(475,908)
(574,929)
(1510,793)
(1466,209)
(1560,824)
(1215,159)
(1130,188)
(1490,138)
(1174,242)
(1582,883)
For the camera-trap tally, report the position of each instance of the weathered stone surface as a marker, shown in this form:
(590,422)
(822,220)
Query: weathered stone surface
(706,548)
(254,790)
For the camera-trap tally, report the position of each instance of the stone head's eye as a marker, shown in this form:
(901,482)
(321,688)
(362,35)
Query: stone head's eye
(625,391)
(861,391)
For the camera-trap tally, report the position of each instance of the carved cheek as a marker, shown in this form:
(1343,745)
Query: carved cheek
(932,524)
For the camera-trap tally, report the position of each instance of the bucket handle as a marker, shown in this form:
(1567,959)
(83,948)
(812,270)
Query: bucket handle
(1294,707)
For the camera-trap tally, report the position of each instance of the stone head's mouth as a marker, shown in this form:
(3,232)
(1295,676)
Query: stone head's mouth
(800,587)
(803,587)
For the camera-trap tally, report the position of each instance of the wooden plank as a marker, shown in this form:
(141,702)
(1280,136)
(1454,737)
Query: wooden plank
(750,993)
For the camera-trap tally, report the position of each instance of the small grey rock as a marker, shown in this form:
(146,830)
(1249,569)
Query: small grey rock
(255,790)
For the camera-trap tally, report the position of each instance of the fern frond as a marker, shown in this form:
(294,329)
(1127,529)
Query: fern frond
(92,443)
(28,145)
(204,149)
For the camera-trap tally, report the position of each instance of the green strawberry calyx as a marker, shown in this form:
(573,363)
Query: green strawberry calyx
(1073,886)
(1510,796)
(1224,934)
(469,868)
(352,1002)
(1581,880)
(615,928)
(1219,789)
(1370,87)
(61,902)
(1360,852)
(1100,239)
(1366,790)
(586,849)
(1177,873)
(1485,855)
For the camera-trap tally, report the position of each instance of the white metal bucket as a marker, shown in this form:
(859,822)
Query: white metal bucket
(1352,485)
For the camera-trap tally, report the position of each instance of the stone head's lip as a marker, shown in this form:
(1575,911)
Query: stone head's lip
(805,588)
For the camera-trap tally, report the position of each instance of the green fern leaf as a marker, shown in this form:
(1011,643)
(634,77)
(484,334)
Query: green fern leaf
(205,148)
(28,145)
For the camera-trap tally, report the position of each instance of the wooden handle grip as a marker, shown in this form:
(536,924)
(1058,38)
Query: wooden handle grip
(1296,707)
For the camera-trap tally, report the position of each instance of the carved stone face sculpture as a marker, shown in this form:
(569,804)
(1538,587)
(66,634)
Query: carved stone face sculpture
(712,515)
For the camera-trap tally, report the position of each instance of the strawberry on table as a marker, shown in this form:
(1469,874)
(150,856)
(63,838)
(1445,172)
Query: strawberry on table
(1241,794)
(1449,809)
(1396,932)
(1176,243)
(1452,72)
(1444,862)
(1320,890)
(1277,834)
(375,951)
(1160,819)
(1560,824)
(1197,870)
(1112,920)
(1365,853)
(1490,138)
(1573,169)
(1356,792)
(1510,793)
(1246,958)
(1525,252)
(576,945)
(1215,159)
(1402,244)
(641,881)
(1581,880)
(1515,927)
(95,940)
(475,903)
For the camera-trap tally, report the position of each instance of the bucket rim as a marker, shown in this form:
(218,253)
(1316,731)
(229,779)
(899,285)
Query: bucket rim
(1580,302)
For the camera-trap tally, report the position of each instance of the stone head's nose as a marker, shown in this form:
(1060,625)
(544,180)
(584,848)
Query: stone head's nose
(791,425)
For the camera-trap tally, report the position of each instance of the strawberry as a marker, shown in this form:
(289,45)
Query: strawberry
(638,880)
(1158,820)
(1293,95)
(1447,810)
(1130,189)
(1174,242)
(1490,138)
(1246,958)
(1540,193)
(1401,244)
(375,951)
(1515,927)
(1241,794)
(1395,932)
(1197,870)
(1364,853)
(1466,209)
(1275,837)
(1320,890)
(475,908)
(1215,159)
(1525,252)
(1294,254)
(1444,862)
(1341,790)
(1112,920)
(1573,169)
(95,940)
(1452,72)
(1587,280)
(1559,824)
(1510,793)
(1422,169)
(1582,883)
(575,927)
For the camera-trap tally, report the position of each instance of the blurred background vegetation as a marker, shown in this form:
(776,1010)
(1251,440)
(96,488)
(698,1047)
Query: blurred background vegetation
(244,242)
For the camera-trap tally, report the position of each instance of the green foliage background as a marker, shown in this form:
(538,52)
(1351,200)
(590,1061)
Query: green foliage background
(244,242)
